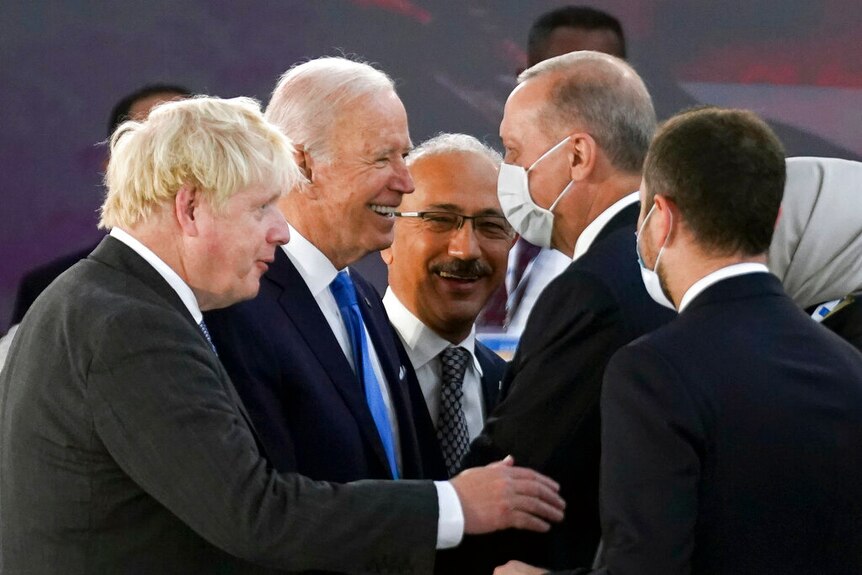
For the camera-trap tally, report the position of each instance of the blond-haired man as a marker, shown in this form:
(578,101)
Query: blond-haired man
(124,446)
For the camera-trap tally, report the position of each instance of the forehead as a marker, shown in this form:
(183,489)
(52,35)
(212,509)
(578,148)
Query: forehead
(522,121)
(371,124)
(466,180)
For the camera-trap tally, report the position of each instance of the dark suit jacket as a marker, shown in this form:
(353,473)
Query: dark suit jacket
(304,399)
(493,370)
(732,442)
(124,449)
(549,418)
(847,321)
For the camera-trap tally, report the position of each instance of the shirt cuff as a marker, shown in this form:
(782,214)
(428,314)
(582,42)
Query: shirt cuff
(450,520)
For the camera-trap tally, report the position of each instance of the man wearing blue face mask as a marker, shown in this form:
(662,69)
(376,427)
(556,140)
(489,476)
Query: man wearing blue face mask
(576,131)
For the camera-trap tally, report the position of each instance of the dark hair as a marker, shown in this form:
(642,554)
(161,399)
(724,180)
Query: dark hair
(570,17)
(121,110)
(724,169)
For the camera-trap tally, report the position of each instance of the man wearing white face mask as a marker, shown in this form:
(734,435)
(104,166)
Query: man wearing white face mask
(576,130)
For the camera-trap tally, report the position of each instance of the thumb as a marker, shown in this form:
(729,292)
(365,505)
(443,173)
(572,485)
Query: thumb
(507,461)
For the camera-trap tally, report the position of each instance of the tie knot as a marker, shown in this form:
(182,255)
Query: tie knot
(454,361)
(343,290)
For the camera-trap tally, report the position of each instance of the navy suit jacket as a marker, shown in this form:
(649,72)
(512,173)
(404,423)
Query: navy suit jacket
(493,370)
(548,417)
(732,441)
(306,403)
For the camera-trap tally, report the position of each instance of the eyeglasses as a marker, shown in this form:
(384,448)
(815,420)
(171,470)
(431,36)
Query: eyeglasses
(489,227)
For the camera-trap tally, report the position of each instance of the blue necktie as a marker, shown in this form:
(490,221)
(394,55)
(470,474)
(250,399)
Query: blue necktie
(345,296)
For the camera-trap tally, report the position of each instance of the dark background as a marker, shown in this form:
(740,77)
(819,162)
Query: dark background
(64,64)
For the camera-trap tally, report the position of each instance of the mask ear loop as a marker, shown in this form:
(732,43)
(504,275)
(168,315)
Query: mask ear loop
(560,197)
(546,154)
(666,240)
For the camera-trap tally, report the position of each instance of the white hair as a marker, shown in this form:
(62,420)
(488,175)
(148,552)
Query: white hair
(444,143)
(310,96)
(603,95)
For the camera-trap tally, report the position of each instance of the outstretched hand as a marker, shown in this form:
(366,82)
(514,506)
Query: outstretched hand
(501,495)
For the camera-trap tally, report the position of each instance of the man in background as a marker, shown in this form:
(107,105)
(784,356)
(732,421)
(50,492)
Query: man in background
(447,257)
(135,106)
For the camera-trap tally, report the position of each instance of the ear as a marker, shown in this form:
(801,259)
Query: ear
(387,256)
(303,160)
(664,214)
(186,203)
(582,155)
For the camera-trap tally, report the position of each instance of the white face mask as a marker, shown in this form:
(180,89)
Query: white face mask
(652,283)
(532,221)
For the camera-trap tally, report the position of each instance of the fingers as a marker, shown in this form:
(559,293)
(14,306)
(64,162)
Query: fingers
(507,461)
(538,508)
(523,473)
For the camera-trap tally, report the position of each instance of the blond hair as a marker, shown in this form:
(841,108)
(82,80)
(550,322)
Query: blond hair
(219,146)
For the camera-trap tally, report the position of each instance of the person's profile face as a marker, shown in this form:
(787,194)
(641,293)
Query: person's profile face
(445,275)
(366,177)
(525,140)
(236,245)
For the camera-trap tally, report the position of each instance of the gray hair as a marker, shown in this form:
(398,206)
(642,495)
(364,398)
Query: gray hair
(444,143)
(605,96)
(310,96)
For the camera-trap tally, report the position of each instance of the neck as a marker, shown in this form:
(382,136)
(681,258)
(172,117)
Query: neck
(587,202)
(698,267)
(306,219)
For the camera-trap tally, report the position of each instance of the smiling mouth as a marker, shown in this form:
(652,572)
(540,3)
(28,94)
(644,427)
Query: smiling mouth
(458,277)
(388,211)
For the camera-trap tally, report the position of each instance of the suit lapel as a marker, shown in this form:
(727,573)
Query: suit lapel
(118,255)
(302,310)
(492,376)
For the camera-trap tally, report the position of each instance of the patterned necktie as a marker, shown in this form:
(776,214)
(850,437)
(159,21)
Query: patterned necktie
(345,296)
(451,423)
(204,329)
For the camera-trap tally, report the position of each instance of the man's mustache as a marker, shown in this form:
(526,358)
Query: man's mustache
(464,268)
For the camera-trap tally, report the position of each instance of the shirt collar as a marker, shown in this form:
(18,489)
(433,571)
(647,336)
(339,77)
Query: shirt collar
(174,280)
(591,232)
(720,274)
(421,342)
(314,267)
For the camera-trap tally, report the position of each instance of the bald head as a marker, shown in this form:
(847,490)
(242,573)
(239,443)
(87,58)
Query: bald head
(599,94)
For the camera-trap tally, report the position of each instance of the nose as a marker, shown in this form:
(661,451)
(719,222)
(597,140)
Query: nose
(401,181)
(278,232)
(463,243)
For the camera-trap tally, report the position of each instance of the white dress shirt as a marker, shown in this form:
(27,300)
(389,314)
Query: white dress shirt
(424,348)
(595,227)
(547,265)
(318,272)
(720,274)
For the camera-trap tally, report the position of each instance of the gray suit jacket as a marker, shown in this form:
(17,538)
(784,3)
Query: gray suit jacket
(124,449)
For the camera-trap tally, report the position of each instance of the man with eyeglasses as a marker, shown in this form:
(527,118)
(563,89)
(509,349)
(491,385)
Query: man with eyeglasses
(448,256)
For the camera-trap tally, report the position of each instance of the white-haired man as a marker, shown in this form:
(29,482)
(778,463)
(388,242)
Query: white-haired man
(124,448)
(447,258)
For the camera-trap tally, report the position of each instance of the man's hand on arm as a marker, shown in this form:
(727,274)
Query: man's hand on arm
(518,568)
(501,496)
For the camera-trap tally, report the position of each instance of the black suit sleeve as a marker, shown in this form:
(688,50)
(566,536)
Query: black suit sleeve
(652,439)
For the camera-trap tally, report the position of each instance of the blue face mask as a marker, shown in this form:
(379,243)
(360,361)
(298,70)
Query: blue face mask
(652,283)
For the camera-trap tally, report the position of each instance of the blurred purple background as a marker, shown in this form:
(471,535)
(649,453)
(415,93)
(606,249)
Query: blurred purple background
(64,64)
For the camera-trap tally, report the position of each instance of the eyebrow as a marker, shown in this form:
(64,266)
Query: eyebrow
(457,209)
